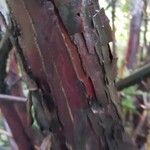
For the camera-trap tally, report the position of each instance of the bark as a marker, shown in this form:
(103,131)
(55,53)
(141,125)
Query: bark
(67,64)
(8,108)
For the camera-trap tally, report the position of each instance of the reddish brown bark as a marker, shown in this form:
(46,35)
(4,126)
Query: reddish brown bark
(63,49)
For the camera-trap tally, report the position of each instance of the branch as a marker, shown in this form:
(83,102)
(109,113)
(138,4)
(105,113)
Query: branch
(134,78)
(8,98)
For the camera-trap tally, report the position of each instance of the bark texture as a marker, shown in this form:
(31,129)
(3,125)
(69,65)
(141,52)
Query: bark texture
(63,50)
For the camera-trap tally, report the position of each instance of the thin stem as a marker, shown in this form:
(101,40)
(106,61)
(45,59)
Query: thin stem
(8,98)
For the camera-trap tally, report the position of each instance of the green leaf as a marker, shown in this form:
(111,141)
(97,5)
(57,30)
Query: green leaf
(128,103)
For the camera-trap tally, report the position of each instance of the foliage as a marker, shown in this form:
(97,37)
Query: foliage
(3,138)
(128,98)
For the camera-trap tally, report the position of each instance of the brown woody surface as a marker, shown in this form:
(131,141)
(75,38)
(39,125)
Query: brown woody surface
(68,66)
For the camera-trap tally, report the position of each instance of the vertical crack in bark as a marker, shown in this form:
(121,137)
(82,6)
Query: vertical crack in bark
(76,59)
(8,109)
(81,56)
(102,55)
(68,106)
(25,66)
(5,47)
(66,99)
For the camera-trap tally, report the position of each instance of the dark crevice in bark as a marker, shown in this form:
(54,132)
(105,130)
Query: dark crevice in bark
(93,130)
(77,58)
(67,62)
(34,84)
(24,62)
(5,47)
(8,109)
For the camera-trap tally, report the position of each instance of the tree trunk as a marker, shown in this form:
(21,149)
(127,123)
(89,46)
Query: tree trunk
(63,51)
(134,34)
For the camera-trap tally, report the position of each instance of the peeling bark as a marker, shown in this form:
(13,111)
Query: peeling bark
(63,48)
